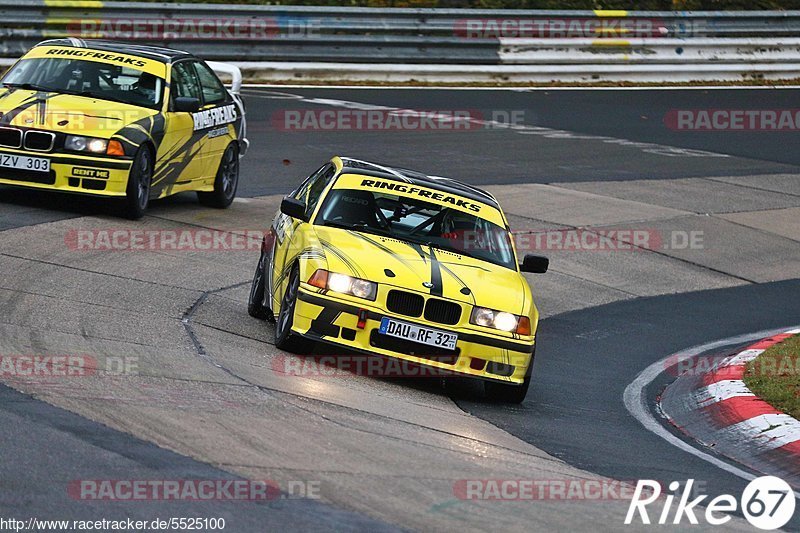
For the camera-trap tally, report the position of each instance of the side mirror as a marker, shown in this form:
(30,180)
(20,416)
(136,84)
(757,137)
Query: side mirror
(187,104)
(294,208)
(535,264)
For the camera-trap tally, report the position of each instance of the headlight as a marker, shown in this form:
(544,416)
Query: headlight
(85,144)
(363,289)
(344,284)
(340,283)
(501,320)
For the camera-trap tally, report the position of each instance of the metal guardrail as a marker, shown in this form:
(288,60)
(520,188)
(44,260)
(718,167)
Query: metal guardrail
(649,51)
(275,43)
(406,36)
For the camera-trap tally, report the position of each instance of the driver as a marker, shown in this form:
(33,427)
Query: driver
(146,86)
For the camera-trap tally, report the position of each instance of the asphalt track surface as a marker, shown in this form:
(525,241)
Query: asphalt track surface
(587,354)
(599,351)
(33,486)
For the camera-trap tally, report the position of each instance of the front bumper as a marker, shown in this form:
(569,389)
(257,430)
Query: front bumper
(327,318)
(94,175)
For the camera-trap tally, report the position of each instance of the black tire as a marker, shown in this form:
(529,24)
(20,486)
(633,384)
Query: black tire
(284,338)
(226,182)
(255,306)
(509,393)
(137,194)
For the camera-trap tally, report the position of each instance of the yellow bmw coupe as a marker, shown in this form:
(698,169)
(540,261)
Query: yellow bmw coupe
(122,121)
(389,261)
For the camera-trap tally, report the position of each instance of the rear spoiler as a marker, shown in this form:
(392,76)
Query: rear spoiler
(231,70)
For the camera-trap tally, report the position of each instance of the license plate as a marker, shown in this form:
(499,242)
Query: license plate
(37,164)
(420,334)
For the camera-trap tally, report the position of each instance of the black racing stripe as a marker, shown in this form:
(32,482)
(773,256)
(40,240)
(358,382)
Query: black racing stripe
(468,337)
(417,248)
(167,159)
(465,266)
(324,323)
(288,264)
(436,276)
(285,272)
(153,126)
(380,246)
(114,165)
(344,258)
(41,107)
(170,172)
(157,130)
(128,146)
(459,281)
(11,115)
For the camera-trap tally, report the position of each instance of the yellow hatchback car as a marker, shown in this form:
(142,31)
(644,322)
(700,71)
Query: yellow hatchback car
(393,262)
(122,121)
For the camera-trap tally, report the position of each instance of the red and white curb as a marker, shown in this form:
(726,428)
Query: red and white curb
(739,412)
(714,407)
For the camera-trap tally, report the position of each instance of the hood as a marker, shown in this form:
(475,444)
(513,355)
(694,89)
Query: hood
(67,113)
(368,256)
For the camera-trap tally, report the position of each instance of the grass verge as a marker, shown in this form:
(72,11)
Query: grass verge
(774,376)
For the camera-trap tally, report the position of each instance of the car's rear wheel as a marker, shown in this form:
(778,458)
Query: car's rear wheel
(226,182)
(509,393)
(137,194)
(255,305)
(284,338)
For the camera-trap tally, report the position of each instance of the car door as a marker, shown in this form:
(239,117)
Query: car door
(288,243)
(219,112)
(178,161)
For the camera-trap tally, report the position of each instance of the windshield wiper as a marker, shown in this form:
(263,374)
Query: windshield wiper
(102,96)
(30,87)
(432,244)
(357,227)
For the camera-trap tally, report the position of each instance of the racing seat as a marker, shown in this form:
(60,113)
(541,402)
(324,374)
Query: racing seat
(354,207)
(146,86)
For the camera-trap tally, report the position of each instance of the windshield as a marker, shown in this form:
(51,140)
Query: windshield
(418,221)
(88,78)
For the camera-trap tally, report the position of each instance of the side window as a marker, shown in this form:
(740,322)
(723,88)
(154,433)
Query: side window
(213,90)
(184,83)
(311,190)
(317,187)
(301,193)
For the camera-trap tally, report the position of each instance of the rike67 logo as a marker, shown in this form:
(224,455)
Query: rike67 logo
(767,503)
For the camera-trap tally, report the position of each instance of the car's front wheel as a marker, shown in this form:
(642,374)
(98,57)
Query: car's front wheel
(509,393)
(226,182)
(284,338)
(137,194)
(255,303)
